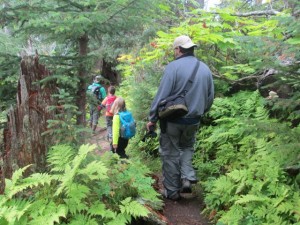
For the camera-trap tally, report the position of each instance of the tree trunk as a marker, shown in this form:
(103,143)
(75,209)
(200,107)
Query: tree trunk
(109,73)
(82,74)
(23,140)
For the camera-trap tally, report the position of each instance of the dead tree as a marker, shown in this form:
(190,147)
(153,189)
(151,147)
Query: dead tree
(24,143)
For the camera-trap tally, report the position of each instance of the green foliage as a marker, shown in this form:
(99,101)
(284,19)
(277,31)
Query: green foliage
(71,38)
(79,189)
(62,126)
(242,159)
(139,91)
(285,109)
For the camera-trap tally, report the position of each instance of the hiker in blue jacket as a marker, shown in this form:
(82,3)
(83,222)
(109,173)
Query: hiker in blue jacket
(177,137)
(95,94)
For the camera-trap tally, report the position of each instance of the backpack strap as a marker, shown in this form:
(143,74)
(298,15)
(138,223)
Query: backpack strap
(191,79)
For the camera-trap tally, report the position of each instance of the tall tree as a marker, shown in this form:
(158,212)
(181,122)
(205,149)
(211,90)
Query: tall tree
(75,24)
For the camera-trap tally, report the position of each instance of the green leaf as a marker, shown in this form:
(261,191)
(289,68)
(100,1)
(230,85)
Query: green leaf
(294,41)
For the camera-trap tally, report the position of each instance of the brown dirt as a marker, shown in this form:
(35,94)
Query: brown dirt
(186,211)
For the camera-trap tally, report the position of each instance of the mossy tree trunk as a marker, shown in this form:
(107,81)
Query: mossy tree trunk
(24,143)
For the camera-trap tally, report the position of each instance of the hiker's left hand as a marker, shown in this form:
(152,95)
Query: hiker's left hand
(151,124)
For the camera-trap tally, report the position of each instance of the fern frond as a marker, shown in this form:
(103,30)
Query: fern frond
(99,209)
(133,208)
(14,210)
(77,191)
(296,202)
(37,179)
(59,156)
(75,206)
(72,169)
(261,113)
(81,219)
(286,207)
(120,219)
(17,185)
(49,214)
(18,174)
(233,216)
(251,198)
(238,175)
(261,211)
(95,170)
(253,101)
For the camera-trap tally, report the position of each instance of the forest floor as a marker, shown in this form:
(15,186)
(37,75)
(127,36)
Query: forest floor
(186,211)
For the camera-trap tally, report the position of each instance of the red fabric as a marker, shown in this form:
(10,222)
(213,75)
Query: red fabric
(108,103)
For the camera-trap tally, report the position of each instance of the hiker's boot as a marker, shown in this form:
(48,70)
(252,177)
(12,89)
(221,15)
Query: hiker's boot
(174,197)
(186,186)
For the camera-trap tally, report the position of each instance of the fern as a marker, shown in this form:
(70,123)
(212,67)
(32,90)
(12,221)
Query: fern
(99,209)
(241,162)
(81,190)
(95,170)
(71,169)
(250,198)
(48,213)
(14,210)
(133,208)
(80,219)
(233,216)
(59,156)
(17,185)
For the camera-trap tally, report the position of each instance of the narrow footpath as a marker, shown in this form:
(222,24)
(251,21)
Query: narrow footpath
(186,211)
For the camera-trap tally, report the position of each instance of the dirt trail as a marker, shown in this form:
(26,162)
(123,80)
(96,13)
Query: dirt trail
(186,211)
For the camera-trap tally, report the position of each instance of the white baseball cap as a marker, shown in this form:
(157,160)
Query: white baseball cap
(183,41)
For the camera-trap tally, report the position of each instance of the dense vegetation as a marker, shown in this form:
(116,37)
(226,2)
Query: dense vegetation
(247,150)
(77,190)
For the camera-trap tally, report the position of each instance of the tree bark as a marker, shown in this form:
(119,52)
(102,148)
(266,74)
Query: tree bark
(82,74)
(109,73)
(23,140)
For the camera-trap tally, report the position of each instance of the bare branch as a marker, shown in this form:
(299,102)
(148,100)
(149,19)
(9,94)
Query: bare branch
(257,13)
(296,13)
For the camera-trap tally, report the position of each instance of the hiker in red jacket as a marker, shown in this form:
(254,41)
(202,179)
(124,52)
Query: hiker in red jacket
(107,103)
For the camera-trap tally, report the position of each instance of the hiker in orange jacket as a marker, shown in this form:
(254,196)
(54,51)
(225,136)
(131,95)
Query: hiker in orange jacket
(107,103)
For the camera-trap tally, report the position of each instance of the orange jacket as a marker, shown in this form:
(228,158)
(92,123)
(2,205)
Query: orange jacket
(104,103)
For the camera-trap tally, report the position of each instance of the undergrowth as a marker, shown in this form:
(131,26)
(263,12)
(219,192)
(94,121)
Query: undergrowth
(242,160)
(80,188)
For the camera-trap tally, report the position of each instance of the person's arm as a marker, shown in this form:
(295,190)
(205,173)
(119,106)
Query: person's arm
(104,101)
(116,130)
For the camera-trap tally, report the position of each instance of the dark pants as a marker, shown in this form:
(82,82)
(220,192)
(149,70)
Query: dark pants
(176,151)
(122,144)
(109,122)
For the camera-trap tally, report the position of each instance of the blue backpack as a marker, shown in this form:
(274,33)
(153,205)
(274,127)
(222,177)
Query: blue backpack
(128,126)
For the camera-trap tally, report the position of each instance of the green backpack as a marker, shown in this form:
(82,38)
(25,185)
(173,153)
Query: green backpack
(94,95)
